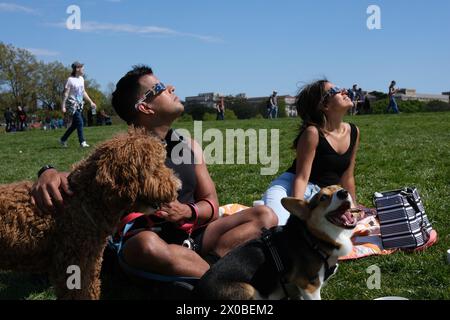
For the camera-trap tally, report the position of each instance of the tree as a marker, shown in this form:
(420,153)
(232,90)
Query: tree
(198,111)
(94,92)
(52,78)
(281,108)
(379,95)
(241,107)
(26,82)
(5,98)
(110,88)
(18,69)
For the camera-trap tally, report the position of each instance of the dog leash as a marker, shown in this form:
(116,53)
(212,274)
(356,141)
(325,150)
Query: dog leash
(290,290)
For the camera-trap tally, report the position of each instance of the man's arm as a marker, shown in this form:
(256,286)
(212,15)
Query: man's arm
(180,212)
(206,188)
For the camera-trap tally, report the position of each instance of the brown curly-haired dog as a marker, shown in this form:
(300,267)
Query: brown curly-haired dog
(122,174)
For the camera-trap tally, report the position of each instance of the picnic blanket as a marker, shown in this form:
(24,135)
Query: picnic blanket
(366,236)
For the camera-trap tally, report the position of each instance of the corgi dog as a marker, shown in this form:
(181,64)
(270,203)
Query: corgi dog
(289,262)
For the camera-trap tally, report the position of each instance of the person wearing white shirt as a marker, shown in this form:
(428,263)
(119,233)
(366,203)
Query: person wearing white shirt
(73,101)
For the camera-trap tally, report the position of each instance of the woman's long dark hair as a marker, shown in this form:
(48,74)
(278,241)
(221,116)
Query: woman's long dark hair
(310,107)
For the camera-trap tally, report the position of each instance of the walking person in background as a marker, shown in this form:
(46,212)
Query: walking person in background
(73,101)
(392,102)
(366,108)
(21,118)
(9,119)
(220,107)
(274,105)
(360,100)
(269,107)
(353,95)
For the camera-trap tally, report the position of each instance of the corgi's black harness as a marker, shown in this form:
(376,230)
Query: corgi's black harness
(290,290)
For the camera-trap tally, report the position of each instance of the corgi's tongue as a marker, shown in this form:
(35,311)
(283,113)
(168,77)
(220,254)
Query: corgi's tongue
(342,217)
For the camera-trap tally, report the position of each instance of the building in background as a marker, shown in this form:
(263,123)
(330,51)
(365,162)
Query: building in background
(206,99)
(209,99)
(411,94)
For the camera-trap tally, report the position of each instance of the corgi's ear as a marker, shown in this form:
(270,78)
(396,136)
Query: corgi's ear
(297,207)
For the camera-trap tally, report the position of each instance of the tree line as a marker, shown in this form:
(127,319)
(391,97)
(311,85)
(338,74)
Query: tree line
(27,82)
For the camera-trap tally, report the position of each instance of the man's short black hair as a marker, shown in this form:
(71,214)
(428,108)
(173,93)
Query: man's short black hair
(127,93)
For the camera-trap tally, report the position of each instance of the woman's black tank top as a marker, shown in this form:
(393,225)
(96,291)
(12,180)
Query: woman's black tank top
(328,165)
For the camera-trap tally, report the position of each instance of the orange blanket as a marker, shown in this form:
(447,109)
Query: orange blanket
(366,235)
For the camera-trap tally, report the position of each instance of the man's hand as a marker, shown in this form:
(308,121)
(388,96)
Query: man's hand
(46,192)
(175,212)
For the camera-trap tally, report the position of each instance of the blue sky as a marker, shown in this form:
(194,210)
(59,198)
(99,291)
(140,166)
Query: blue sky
(251,46)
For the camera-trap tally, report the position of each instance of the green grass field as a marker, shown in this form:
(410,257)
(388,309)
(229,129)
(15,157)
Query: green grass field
(395,151)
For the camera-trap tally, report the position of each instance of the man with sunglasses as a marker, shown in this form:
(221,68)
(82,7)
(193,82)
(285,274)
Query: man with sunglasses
(142,100)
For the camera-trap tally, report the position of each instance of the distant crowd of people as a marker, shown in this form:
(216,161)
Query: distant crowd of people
(19,120)
(361,102)
(15,121)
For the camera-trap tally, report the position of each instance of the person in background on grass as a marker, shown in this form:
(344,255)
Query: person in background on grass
(326,148)
(9,119)
(353,95)
(142,100)
(73,102)
(220,107)
(361,98)
(274,105)
(392,102)
(21,118)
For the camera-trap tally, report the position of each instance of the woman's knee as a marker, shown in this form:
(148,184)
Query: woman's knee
(278,190)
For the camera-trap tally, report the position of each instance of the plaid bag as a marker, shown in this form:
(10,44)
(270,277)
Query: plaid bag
(403,221)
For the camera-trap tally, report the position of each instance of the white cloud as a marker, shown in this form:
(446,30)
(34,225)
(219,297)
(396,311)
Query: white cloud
(43,52)
(93,26)
(11,7)
(125,28)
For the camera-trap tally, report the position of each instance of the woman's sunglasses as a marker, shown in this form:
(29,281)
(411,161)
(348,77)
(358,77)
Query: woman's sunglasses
(332,92)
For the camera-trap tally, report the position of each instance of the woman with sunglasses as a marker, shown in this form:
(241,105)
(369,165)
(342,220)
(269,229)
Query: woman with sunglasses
(326,148)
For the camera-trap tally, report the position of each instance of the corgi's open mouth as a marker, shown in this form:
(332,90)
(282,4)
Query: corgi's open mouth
(342,217)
